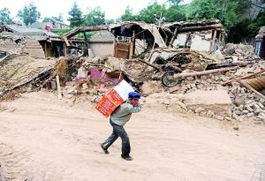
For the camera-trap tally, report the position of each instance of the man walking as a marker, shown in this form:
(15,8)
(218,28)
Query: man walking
(117,120)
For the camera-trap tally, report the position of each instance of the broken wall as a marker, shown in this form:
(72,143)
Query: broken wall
(200,40)
(102,49)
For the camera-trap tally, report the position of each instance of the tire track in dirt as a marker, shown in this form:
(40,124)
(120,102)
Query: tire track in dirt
(12,163)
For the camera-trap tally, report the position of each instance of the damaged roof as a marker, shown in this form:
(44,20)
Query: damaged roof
(141,30)
(184,26)
(29,31)
(103,36)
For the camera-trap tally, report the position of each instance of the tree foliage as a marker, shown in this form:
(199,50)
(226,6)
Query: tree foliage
(153,13)
(255,25)
(176,13)
(128,15)
(5,16)
(174,3)
(95,17)
(29,14)
(75,14)
(57,18)
(227,11)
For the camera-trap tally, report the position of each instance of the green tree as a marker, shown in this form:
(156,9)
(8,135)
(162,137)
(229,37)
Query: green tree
(254,26)
(75,14)
(227,11)
(153,13)
(5,16)
(109,21)
(29,14)
(95,17)
(176,13)
(174,2)
(57,18)
(128,15)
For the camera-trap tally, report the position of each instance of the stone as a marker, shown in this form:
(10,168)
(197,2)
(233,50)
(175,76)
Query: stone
(236,128)
(199,110)
(219,118)
(228,119)
(166,102)
(239,101)
(249,108)
(260,105)
(250,114)
(151,87)
(245,112)
(210,114)
(182,105)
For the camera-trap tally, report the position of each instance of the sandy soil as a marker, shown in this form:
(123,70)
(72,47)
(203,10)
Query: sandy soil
(43,138)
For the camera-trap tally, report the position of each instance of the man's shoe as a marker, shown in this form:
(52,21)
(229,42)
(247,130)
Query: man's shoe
(104,149)
(128,158)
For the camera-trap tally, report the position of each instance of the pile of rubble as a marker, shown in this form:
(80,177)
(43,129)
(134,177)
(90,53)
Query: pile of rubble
(15,44)
(18,70)
(244,103)
(216,94)
(182,79)
(240,51)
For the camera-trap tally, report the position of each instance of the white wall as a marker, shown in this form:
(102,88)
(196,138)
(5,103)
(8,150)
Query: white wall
(201,41)
(102,49)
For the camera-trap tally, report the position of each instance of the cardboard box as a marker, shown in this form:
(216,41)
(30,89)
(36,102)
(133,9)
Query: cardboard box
(113,98)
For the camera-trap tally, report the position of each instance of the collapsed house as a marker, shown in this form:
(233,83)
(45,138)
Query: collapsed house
(175,58)
(32,41)
(133,38)
(201,35)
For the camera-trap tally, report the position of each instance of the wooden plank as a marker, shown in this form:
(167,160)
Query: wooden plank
(184,75)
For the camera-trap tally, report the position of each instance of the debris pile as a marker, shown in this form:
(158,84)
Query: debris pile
(240,51)
(17,71)
(246,104)
(12,44)
(15,44)
(225,85)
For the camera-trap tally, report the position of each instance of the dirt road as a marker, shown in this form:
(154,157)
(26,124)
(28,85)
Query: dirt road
(44,139)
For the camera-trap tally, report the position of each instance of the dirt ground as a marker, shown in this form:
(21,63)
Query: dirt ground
(45,139)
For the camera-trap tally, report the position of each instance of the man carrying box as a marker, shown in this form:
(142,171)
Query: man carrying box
(118,119)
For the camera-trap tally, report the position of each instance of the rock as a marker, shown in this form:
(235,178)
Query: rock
(210,114)
(250,114)
(166,102)
(260,105)
(219,118)
(182,105)
(199,110)
(150,87)
(245,112)
(228,119)
(239,101)
(249,108)
(236,128)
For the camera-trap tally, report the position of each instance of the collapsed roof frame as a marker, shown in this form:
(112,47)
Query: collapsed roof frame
(161,36)
(171,30)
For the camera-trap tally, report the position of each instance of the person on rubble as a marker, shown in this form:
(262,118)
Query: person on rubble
(118,119)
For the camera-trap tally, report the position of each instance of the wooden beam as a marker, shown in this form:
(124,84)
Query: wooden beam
(173,38)
(244,77)
(184,75)
(251,88)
